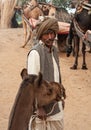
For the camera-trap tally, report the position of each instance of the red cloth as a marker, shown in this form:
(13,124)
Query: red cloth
(63,28)
(33,22)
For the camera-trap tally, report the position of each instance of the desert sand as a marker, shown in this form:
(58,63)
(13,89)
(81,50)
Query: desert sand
(77,112)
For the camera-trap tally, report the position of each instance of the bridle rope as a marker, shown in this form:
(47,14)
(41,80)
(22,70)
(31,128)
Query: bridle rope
(36,115)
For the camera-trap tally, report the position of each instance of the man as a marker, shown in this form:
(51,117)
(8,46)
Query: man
(43,57)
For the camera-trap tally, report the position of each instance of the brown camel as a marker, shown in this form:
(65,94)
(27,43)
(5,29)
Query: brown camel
(30,15)
(32,10)
(33,92)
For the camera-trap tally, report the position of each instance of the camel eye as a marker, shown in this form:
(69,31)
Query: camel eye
(50,90)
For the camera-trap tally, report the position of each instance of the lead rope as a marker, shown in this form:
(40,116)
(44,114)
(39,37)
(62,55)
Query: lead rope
(36,115)
(31,120)
(52,109)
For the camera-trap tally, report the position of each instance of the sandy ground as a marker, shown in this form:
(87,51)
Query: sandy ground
(77,113)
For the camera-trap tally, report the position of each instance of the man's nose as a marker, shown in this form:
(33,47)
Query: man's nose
(50,36)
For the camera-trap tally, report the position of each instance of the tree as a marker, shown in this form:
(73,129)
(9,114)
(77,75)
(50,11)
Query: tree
(41,1)
(61,3)
(7,12)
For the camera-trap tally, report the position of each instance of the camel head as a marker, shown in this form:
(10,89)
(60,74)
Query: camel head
(45,92)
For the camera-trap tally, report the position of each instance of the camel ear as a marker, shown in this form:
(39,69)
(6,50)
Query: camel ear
(38,80)
(24,73)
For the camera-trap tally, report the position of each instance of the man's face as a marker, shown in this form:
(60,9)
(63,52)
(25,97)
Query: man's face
(48,38)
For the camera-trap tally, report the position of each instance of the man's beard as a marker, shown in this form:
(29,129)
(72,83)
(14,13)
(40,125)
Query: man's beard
(49,42)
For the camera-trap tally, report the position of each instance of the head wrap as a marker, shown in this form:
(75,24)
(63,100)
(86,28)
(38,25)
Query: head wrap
(45,25)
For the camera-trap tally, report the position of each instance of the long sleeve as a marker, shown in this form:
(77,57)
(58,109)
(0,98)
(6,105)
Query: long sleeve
(33,64)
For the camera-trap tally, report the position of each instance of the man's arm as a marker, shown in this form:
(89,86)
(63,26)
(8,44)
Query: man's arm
(33,63)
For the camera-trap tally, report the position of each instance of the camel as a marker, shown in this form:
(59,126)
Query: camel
(80,24)
(34,92)
(30,16)
(32,10)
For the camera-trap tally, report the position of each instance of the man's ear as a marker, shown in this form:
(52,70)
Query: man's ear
(24,73)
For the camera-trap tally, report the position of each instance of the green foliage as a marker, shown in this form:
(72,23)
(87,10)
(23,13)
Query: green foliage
(61,3)
(41,1)
(22,2)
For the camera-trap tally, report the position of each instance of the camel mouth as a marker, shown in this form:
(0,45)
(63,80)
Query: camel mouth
(58,98)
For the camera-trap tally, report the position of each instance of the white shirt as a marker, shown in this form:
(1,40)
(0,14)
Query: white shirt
(33,66)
